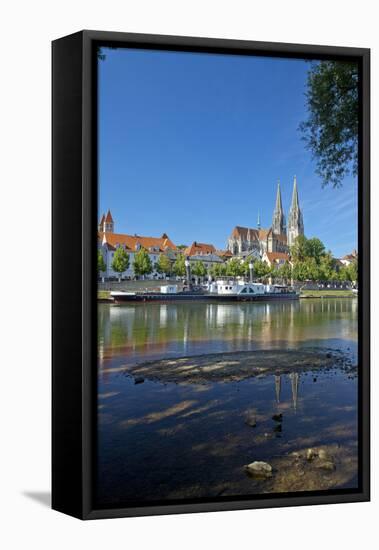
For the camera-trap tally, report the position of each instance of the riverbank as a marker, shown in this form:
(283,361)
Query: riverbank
(327,294)
(104,296)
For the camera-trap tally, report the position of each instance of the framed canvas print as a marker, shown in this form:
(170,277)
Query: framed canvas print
(210,274)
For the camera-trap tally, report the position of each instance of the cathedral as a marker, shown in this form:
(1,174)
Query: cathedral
(246,241)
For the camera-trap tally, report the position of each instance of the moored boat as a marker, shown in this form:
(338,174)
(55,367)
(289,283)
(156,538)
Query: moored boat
(216,291)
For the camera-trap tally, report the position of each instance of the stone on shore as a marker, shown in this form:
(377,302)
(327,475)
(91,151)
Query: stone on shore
(326,465)
(259,469)
(311,455)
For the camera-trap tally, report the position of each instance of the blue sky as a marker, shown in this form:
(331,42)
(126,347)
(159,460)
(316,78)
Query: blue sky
(193,144)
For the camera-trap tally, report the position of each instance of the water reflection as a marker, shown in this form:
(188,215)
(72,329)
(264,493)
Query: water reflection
(170,441)
(158,330)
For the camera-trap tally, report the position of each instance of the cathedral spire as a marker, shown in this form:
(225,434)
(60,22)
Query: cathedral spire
(295,218)
(295,195)
(278,219)
(259,220)
(278,205)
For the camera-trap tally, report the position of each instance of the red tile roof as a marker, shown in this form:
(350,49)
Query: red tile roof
(199,248)
(242,232)
(273,257)
(131,242)
(249,233)
(224,253)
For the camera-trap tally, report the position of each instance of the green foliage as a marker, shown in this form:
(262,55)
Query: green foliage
(218,270)
(100,262)
(311,262)
(261,269)
(284,272)
(327,271)
(314,248)
(179,267)
(234,268)
(198,269)
(299,249)
(349,272)
(182,246)
(331,129)
(142,264)
(300,271)
(163,265)
(353,271)
(120,262)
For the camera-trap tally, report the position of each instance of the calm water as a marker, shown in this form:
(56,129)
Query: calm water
(168,441)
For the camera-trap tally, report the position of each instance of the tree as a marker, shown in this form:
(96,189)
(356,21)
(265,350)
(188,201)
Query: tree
(101,266)
(163,265)
(142,264)
(284,272)
(300,271)
(179,267)
(120,262)
(198,269)
(331,129)
(299,249)
(349,272)
(234,268)
(353,271)
(218,270)
(314,248)
(327,270)
(261,269)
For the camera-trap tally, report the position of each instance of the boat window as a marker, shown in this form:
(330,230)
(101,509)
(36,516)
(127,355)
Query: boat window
(244,291)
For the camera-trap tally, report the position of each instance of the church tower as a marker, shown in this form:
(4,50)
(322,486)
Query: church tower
(295,218)
(278,218)
(106,224)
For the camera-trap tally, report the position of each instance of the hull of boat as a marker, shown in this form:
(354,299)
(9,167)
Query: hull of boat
(157,297)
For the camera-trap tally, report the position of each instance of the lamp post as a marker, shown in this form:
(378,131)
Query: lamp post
(251,267)
(188,273)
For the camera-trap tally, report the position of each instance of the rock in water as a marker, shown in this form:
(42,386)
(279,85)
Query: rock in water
(259,469)
(251,418)
(139,380)
(277,417)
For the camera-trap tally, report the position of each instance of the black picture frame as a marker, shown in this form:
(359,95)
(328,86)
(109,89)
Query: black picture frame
(74,206)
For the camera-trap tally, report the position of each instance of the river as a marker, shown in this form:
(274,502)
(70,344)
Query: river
(169,441)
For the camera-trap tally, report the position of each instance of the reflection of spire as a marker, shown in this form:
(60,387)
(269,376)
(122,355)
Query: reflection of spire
(294,376)
(277,387)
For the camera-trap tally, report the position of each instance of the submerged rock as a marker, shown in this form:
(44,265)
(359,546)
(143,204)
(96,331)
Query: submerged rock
(259,469)
(251,418)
